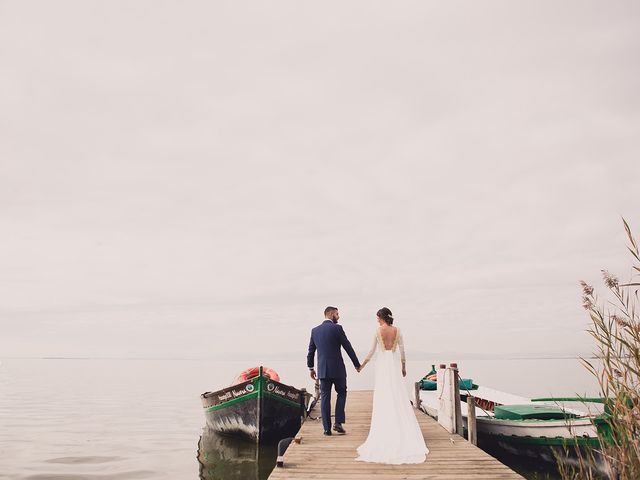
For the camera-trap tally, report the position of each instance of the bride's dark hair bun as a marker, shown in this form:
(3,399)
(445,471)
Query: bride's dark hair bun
(385,314)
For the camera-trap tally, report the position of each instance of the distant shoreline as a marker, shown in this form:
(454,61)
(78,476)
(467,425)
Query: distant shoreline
(295,359)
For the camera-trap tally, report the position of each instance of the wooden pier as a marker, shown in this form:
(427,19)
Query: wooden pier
(451,457)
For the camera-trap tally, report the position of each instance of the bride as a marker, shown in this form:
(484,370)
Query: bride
(394,436)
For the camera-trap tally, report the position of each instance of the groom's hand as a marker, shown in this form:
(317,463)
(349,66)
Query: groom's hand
(312,373)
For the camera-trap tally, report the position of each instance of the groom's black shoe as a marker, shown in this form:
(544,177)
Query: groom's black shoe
(327,432)
(338,428)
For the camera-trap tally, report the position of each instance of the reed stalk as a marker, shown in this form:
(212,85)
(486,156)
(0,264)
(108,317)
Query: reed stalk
(615,328)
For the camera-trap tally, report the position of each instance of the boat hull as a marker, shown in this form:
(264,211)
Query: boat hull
(548,432)
(259,410)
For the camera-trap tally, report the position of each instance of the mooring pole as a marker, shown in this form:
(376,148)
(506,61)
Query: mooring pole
(446,399)
(459,428)
(472,431)
(303,405)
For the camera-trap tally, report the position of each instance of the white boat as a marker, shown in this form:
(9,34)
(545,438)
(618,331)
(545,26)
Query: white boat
(525,426)
(532,423)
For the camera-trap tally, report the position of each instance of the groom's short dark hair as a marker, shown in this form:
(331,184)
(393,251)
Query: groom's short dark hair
(328,310)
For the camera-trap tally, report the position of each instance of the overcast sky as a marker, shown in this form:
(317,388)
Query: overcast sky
(203,178)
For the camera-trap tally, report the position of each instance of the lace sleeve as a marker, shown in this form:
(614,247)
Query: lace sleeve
(401,346)
(373,349)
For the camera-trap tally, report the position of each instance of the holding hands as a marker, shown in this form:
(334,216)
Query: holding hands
(404,368)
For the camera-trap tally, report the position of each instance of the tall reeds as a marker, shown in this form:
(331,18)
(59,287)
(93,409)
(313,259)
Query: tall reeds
(615,328)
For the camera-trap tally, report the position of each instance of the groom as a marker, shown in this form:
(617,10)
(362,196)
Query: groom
(327,338)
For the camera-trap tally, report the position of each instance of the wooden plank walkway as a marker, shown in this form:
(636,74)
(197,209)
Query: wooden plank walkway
(451,457)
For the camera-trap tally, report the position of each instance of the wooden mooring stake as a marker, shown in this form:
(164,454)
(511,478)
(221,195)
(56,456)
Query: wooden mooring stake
(472,432)
(456,399)
(449,411)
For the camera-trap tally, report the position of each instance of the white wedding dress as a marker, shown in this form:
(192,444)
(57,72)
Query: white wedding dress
(395,436)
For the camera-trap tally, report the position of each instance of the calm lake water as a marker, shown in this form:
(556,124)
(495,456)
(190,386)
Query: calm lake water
(95,419)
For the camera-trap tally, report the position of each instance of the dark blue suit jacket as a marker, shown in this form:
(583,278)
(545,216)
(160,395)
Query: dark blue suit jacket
(328,338)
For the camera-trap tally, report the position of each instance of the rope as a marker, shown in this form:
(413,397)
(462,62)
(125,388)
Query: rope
(466,389)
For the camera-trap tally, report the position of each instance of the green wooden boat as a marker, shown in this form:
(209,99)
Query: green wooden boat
(260,409)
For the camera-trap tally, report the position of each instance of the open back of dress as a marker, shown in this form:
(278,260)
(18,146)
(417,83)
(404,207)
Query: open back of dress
(395,436)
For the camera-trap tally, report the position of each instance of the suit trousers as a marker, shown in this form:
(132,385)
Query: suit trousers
(325,400)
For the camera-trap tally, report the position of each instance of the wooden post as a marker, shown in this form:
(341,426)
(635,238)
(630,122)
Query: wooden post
(459,428)
(440,379)
(446,400)
(471,420)
(260,403)
(416,392)
(303,404)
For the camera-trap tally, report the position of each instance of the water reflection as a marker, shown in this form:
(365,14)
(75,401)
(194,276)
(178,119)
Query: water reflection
(227,458)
